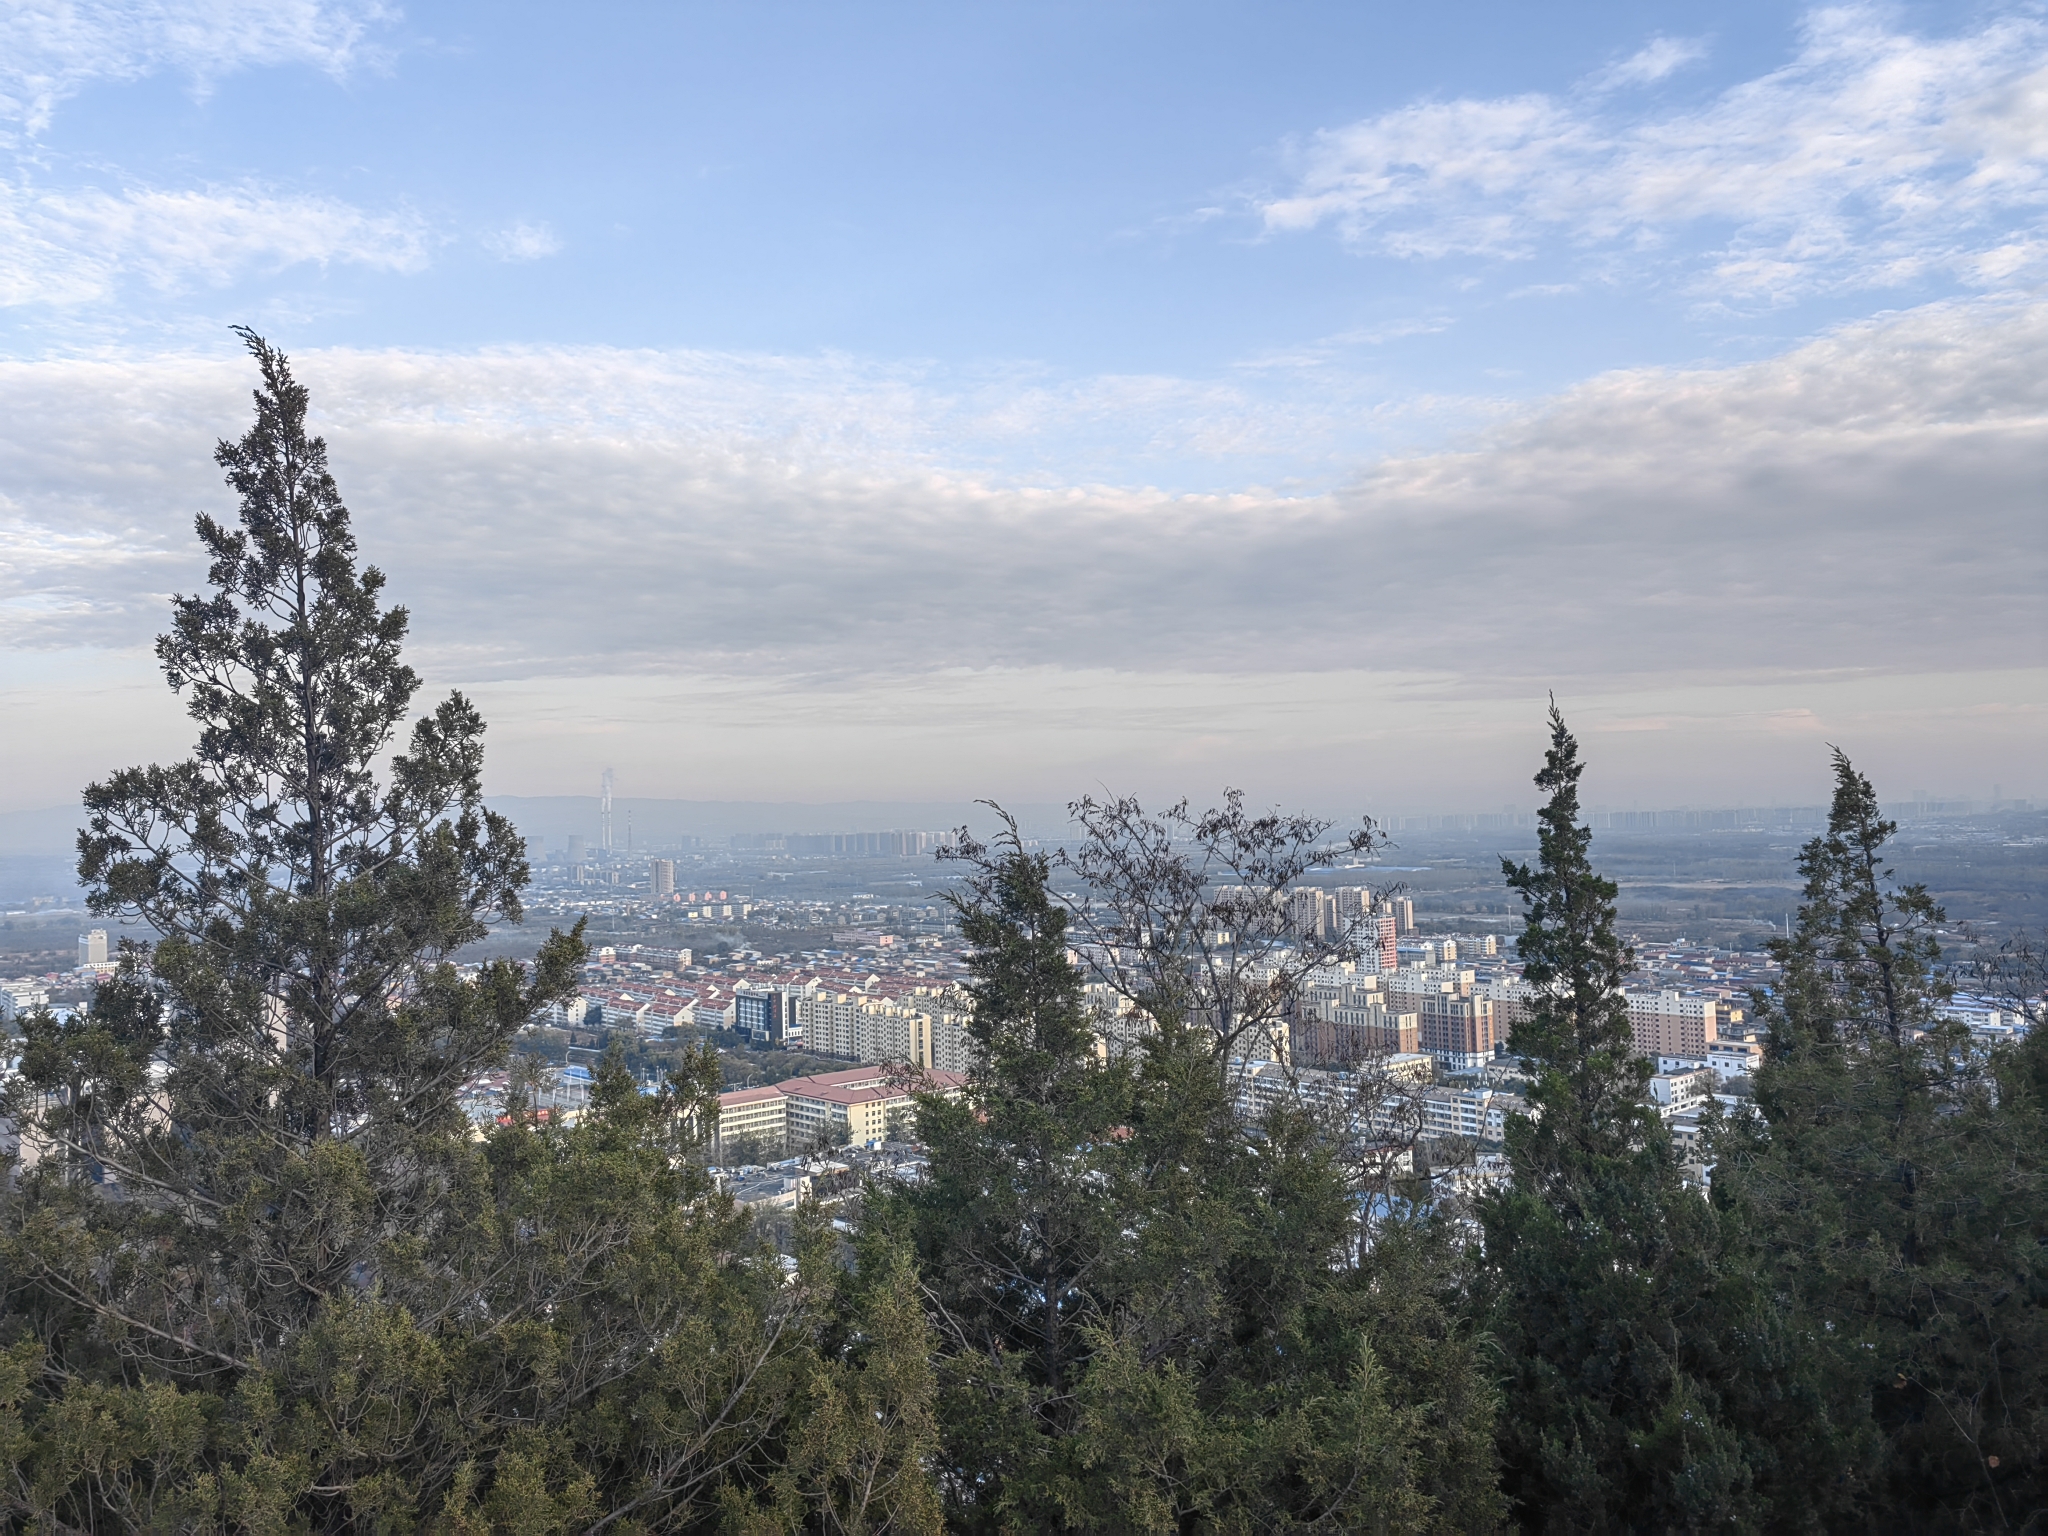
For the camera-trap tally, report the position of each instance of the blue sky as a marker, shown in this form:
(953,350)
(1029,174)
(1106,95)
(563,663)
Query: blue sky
(1033,396)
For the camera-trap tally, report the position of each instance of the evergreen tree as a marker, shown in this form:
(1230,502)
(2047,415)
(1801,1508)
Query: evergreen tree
(1895,1181)
(257,1270)
(1145,1318)
(1646,1374)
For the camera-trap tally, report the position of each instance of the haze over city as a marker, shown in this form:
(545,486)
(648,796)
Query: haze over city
(909,403)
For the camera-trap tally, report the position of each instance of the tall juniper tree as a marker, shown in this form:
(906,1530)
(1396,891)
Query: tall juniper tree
(1896,1182)
(257,1270)
(292,898)
(1646,1374)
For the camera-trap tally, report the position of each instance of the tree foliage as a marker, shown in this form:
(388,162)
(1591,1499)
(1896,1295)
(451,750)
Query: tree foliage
(1646,1372)
(1894,1183)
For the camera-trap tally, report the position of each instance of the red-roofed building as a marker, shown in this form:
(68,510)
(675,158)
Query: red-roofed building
(828,1108)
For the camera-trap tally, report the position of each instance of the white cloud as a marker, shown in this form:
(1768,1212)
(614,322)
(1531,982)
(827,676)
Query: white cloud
(1872,159)
(80,244)
(523,242)
(75,247)
(1656,60)
(51,49)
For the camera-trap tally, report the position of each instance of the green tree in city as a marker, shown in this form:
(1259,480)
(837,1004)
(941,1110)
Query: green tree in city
(257,1269)
(1894,1178)
(1647,1376)
(1146,1317)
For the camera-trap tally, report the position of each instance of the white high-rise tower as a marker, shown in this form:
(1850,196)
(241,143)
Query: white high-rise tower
(604,815)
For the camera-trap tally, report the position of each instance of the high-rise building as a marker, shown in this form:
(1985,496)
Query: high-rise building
(1458,1031)
(92,948)
(662,874)
(1353,1034)
(762,1016)
(1379,943)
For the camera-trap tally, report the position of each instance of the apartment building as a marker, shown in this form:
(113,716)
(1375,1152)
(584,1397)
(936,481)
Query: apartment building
(1336,1034)
(756,1116)
(1674,1023)
(1725,1058)
(1348,909)
(20,997)
(1406,987)
(922,1030)
(1676,1092)
(826,1109)
(1514,1002)
(1478,1114)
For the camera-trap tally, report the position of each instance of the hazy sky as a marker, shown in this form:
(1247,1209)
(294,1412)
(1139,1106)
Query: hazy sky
(825,401)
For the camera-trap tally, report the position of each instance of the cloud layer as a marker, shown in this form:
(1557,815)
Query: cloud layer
(1867,502)
(1871,160)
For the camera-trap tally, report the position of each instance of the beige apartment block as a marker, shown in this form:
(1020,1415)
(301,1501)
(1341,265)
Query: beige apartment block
(758,1115)
(829,1108)
(1514,1002)
(1340,1035)
(1673,1023)
(1459,1026)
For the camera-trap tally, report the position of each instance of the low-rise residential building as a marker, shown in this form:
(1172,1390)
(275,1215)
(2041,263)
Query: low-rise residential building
(1675,1092)
(827,1109)
(1984,1017)
(1478,1114)
(771,1189)
(1725,1058)
(1734,1058)
(1686,1139)
(1415,1067)
(20,997)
